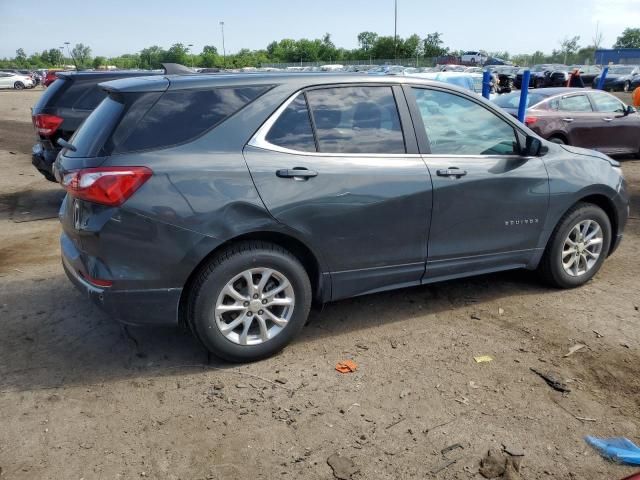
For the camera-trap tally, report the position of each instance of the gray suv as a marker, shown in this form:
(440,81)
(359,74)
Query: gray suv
(231,204)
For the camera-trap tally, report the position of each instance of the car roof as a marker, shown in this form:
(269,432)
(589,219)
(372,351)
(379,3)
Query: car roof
(71,74)
(551,91)
(295,79)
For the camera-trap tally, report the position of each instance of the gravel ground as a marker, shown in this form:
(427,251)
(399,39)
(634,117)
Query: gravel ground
(83,397)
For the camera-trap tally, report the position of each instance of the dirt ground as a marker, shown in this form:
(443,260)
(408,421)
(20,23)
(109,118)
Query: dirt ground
(83,397)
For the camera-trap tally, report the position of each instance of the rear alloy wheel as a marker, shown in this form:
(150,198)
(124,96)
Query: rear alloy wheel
(250,301)
(627,86)
(578,247)
(18,86)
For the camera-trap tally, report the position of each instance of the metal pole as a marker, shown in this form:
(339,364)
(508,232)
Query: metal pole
(524,93)
(395,31)
(605,70)
(224,51)
(486,84)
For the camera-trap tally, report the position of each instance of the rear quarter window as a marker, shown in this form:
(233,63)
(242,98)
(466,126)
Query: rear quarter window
(181,116)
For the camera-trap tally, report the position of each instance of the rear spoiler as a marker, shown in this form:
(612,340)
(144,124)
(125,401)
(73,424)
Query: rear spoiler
(177,69)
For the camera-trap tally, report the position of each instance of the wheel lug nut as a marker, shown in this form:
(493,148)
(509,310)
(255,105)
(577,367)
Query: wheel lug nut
(246,304)
(260,312)
(264,302)
(255,295)
(249,314)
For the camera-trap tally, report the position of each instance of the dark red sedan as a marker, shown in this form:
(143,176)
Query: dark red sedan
(580,117)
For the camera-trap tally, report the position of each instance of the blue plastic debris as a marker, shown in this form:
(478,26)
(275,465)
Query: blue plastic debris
(619,449)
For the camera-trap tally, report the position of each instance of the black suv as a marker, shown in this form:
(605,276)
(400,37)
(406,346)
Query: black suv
(230,203)
(63,107)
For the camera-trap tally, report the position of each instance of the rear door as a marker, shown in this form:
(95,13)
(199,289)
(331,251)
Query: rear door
(339,166)
(490,203)
(5,80)
(620,130)
(577,119)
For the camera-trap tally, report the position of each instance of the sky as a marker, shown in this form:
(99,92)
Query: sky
(114,27)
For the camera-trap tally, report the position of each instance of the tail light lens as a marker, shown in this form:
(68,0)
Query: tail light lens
(110,186)
(46,124)
(528,121)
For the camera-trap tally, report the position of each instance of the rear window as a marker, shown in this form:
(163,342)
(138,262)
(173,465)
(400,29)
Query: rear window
(50,94)
(133,121)
(183,115)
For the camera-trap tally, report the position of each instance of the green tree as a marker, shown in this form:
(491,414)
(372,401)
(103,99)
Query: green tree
(410,47)
(152,57)
(384,48)
(81,55)
(569,47)
(366,40)
(209,56)
(432,45)
(99,62)
(21,57)
(54,57)
(178,53)
(630,38)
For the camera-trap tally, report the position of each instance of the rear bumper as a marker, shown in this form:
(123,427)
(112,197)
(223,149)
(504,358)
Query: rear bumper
(43,160)
(134,307)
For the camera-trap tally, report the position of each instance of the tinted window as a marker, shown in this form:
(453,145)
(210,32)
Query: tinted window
(356,120)
(90,99)
(458,126)
(182,115)
(292,129)
(607,103)
(52,92)
(576,103)
(92,134)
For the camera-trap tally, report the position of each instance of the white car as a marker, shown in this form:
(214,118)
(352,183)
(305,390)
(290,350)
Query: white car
(477,58)
(15,80)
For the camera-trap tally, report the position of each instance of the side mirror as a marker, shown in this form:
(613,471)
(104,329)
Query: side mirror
(533,147)
(629,110)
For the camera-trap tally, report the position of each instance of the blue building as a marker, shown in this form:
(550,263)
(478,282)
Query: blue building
(628,56)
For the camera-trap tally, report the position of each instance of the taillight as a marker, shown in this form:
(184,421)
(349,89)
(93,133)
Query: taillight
(110,186)
(528,121)
(46,124)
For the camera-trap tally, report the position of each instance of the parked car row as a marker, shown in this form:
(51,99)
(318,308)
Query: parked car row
(231,204)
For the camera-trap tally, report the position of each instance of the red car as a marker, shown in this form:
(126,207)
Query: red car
(50,77)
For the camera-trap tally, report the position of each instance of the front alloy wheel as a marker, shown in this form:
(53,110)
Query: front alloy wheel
(582,248)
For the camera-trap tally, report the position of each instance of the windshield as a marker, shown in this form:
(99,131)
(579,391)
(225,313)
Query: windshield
(512,100)
(621,70)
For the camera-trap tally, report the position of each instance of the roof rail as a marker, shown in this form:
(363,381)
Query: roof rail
(177,69)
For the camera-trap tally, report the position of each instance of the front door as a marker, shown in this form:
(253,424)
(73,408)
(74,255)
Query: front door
(490,203)
(339,166)
(620,130)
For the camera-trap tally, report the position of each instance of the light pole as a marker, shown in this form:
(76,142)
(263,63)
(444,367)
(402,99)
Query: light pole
(68,51)
(395,30)
(189,49)
(224,51)
(62,55)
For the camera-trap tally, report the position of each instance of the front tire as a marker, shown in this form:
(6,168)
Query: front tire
(249,301)
(18,86)
(577,248)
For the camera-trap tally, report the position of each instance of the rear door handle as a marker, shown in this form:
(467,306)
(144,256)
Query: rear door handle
(451,172)
(568,120)
(296,173)
(607,119)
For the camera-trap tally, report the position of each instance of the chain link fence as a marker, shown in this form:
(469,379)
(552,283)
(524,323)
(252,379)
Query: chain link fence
(405,62)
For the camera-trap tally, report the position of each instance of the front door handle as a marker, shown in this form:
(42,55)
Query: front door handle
(296,173)
(607,119)
(451,172)
(568,120)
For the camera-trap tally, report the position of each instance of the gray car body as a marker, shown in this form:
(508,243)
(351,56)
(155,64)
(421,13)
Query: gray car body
(365,223)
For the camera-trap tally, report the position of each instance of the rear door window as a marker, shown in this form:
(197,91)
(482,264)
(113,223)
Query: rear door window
(359,119)
(182,115)
(292,129)
(575,103)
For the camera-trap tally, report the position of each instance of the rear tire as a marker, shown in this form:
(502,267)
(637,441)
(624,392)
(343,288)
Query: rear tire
(18,86)
(221,309)
(627,86)
(577,247)
(558,140)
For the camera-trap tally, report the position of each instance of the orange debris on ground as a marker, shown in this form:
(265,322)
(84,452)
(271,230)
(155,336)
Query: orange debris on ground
(346,366)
